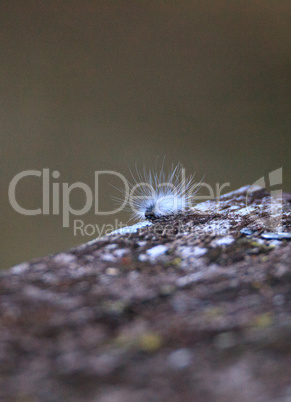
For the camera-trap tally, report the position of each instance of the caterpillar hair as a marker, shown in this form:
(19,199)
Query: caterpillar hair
(155,195)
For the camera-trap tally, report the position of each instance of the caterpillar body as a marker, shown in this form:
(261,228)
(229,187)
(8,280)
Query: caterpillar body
(155,195)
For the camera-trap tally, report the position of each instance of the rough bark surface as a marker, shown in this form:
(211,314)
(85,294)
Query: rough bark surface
(195,307)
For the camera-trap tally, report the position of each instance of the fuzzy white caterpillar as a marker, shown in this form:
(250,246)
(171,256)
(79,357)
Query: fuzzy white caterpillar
(157,195)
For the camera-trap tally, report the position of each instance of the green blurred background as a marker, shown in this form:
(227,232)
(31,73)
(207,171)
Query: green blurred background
(95,85)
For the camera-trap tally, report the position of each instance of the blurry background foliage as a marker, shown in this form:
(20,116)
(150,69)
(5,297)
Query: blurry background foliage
(102,85)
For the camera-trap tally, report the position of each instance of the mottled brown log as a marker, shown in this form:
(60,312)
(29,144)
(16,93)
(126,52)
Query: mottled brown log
(205,317)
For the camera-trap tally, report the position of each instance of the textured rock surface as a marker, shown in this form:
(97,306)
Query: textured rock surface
(195,307)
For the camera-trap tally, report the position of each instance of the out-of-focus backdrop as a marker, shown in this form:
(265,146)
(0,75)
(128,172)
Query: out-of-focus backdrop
(102,85)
